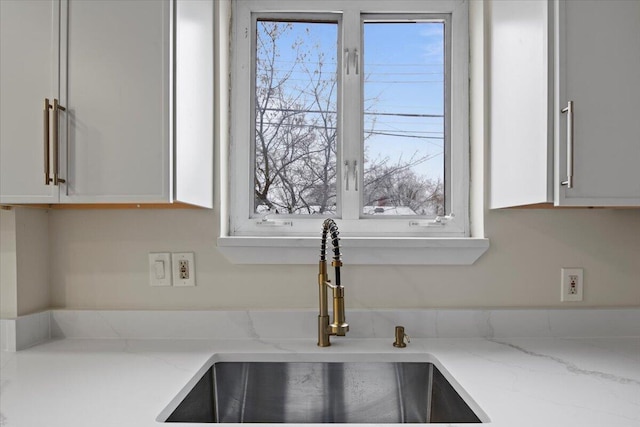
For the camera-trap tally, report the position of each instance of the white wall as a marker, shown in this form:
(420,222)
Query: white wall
(24,261)
(99,261)
(32,248)
(8,272)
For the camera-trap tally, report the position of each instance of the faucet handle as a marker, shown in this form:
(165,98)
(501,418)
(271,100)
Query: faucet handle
(401,337)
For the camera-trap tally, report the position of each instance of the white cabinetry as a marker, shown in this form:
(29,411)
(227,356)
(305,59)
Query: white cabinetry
(29,63)
(543,55)
(110,65)
(117,101)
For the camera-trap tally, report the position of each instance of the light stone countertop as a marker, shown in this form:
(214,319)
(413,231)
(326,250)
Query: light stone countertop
(516,382)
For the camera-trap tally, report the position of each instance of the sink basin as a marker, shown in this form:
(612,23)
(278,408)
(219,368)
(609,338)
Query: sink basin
(322,392)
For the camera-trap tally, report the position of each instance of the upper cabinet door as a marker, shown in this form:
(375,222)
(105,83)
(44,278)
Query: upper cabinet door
(194,101)
(116,92)
(28,75)
(520,109)
(545,56)
(598,68)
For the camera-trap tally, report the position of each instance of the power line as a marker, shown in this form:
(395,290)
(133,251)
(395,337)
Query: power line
(368,64)
(298,111)
(335,71)
(397,73)
(426,133)
(332,80)
(404,115)
(405,136)
(400,135)
(404,82)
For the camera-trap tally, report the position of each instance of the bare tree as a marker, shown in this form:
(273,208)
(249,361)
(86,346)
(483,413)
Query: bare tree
(296,135)
(396,184)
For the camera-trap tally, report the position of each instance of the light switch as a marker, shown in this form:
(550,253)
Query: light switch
(160,269)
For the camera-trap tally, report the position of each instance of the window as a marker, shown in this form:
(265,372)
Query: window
(352,114)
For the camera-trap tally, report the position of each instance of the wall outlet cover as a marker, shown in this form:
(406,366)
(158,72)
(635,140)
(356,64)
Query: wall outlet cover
(160,269)
(572,285)
(184,268)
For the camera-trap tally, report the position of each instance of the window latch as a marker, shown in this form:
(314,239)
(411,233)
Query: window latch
(356,61)
(348,171)
(266,222)
(346,175)
(355,174)
(347,60)
(438,221)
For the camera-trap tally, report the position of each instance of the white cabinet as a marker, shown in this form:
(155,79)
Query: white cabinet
(110,65)
(543,55)
(117,101)
(29,63)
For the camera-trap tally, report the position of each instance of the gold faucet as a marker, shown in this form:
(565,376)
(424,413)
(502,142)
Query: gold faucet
(339,327)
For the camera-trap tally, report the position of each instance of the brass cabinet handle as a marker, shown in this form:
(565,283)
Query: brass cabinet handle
(56,143)
(47,107)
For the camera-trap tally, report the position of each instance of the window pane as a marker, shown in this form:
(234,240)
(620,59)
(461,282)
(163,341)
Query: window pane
(404,118)
(295,117)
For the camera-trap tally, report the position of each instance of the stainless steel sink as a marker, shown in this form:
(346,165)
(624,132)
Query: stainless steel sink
(323,392)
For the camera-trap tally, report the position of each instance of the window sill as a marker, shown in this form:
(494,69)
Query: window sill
(356,251)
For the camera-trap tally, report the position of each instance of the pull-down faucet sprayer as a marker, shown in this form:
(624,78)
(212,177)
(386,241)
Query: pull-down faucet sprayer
(339,327)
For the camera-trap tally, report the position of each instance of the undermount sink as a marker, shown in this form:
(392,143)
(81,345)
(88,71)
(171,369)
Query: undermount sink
(321,392)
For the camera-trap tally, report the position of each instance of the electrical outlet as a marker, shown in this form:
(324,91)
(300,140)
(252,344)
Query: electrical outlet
(160,269)
(184,269)
(572,285)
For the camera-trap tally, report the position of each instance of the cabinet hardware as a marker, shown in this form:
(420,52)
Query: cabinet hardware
(47,107)
(56,143)
(569,111)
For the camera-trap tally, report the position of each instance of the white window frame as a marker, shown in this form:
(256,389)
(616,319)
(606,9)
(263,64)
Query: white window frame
(243,236)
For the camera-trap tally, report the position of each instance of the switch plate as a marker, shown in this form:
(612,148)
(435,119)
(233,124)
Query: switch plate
(184,269)
(572,285)
(160,269)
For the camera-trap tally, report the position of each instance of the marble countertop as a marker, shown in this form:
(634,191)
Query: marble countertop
(516,382)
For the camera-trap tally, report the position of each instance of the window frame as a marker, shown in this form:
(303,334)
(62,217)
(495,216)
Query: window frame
(243,223)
